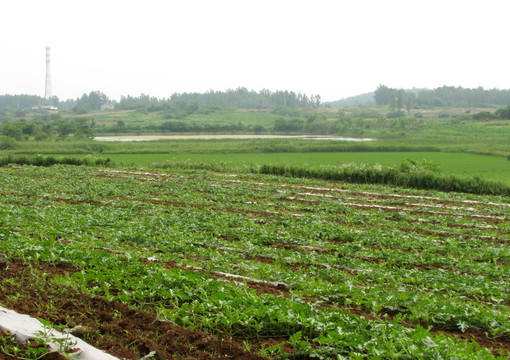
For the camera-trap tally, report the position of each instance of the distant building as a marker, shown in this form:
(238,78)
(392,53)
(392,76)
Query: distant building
(108,106)
(45,107)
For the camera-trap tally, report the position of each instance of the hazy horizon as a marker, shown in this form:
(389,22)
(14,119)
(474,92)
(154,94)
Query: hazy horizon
(335,49)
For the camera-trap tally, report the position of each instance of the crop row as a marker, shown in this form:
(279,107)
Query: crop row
(349,280)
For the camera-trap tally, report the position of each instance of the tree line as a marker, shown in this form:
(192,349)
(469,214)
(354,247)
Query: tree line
(92,101)
(446,96)
(397,99)
(232,98)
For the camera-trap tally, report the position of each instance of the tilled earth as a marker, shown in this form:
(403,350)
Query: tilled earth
(110,326)
(128,333)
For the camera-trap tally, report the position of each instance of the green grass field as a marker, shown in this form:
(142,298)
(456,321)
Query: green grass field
(453,143)
(489,167)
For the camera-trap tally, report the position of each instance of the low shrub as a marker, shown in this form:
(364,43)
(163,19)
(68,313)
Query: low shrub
(409,174)
(395,114)
(8,143)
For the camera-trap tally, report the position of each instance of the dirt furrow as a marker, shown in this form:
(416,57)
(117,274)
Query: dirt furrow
(325,190)
(115,328)
(387,314)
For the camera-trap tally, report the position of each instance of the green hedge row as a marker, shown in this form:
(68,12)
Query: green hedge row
(412,178)
(50,160)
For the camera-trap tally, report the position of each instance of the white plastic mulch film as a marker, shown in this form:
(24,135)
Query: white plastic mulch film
(24,327)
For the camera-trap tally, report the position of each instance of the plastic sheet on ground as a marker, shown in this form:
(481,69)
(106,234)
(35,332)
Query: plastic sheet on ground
(24,327)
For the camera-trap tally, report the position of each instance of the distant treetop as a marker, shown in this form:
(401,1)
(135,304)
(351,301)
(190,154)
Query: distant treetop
(446,96)
(238,98)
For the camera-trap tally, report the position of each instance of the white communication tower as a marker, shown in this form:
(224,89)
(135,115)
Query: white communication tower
(47,88)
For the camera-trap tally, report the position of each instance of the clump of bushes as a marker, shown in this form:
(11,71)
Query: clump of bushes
(503,113)
(483,115)
(395,114)
(8,143)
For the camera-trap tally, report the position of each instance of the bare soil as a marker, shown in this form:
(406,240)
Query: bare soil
(110,326)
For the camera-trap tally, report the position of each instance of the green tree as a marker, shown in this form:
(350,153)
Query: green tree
(410,101)
(398,99)
(91,101)
(258,129)
(65,128)
(503,113)
(7,143)
(97,99)
(12,130)
(120,126)
(384,95)
(288,125)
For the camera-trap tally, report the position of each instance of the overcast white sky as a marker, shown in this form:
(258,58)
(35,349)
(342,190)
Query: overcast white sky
(334,48)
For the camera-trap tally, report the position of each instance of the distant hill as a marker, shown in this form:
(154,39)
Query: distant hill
(365,99)
(358,100)
(445,96)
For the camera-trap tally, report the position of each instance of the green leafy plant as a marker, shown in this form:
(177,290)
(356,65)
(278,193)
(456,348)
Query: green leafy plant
(331,269)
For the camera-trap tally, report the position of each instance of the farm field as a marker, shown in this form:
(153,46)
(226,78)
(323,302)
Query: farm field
(208,265)
(469,165)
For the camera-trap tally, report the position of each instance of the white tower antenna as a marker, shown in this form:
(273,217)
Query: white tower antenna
(47,89)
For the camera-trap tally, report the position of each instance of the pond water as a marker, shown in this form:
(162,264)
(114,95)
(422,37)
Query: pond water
(127,138)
